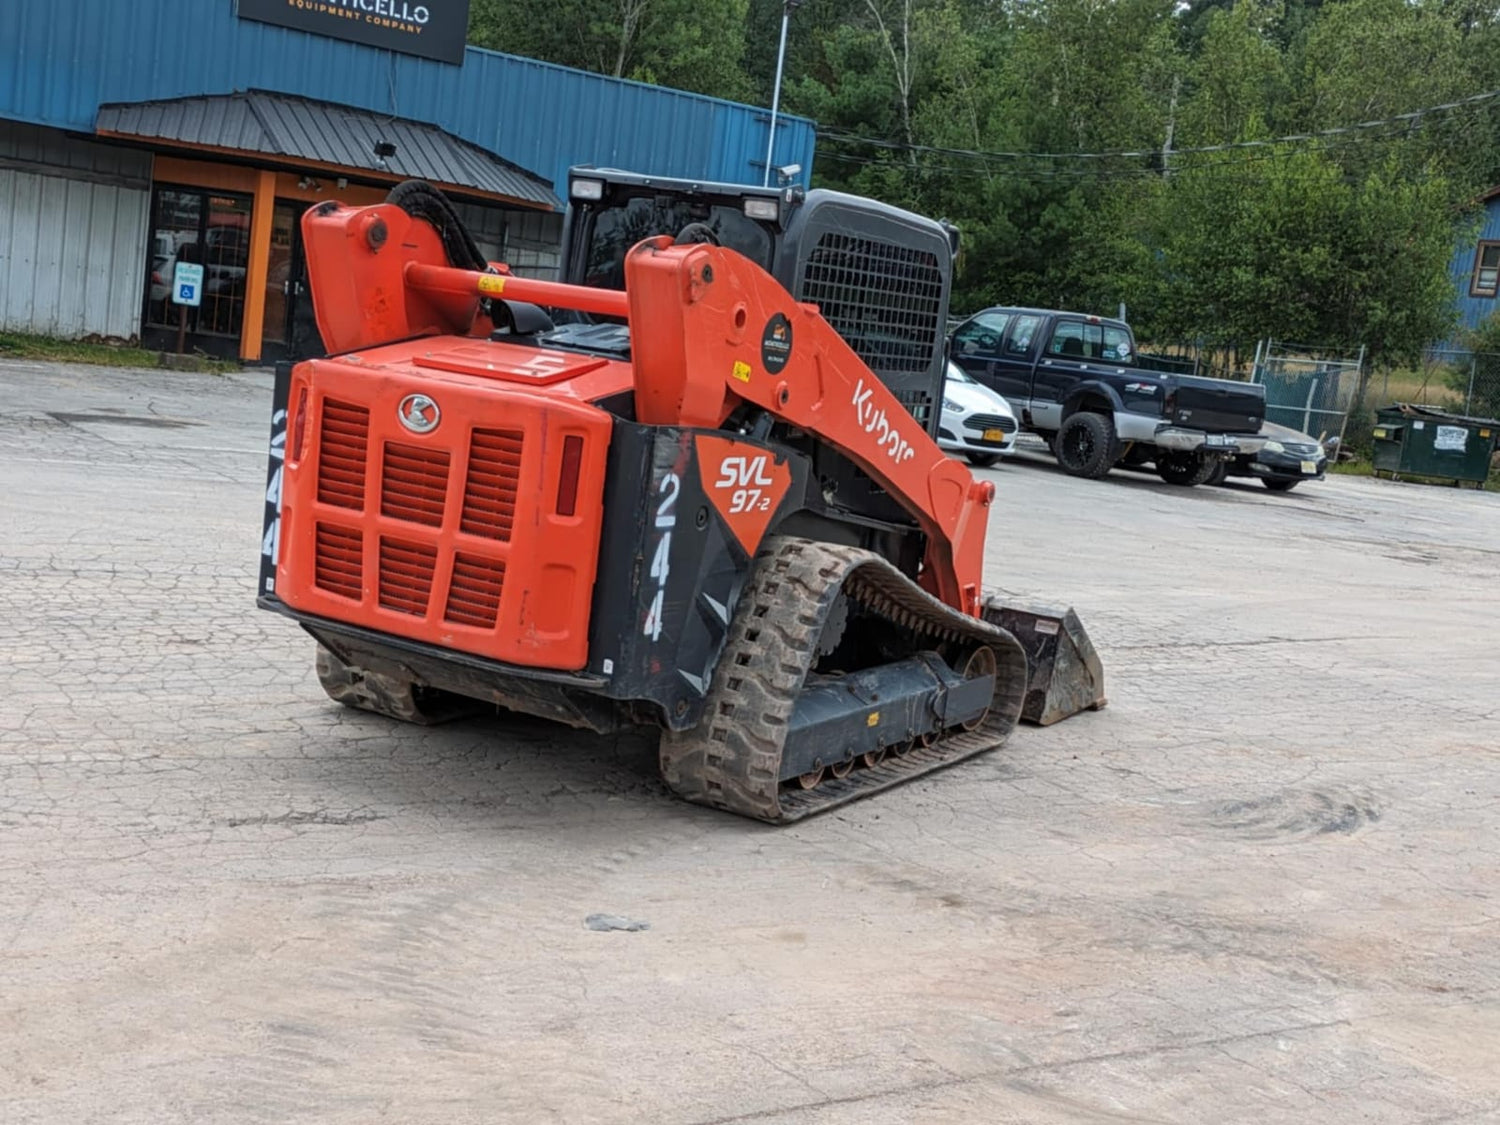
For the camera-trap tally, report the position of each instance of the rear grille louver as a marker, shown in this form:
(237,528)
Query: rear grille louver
(406,576)
(343,441)
(414,484)
(490,489)
(338,561)
(474,593)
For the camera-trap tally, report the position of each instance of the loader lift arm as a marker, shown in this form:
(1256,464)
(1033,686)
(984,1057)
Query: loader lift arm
(724,332)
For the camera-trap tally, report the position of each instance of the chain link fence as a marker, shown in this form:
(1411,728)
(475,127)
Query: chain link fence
(1307,388)
(1462,381)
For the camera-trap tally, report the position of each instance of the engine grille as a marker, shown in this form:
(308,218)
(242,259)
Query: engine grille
(406,571)
(414,484)
(490,490)
(474,594)
(991,422)
(886,301)
(343,442)
(480,536)
(338,565)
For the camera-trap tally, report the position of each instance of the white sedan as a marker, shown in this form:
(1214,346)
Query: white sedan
(976,421)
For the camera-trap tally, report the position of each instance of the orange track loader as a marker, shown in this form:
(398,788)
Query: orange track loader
(675,495)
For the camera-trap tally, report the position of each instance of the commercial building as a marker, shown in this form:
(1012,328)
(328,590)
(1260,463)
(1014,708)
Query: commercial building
(134,136)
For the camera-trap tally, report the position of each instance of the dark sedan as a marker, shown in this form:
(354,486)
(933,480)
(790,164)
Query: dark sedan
(1286,460)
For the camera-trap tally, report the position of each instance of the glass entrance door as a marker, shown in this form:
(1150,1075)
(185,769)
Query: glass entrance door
(279,273)
(291,330)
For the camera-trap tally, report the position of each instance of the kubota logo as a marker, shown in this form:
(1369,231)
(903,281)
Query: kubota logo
(419,414)
(874,421)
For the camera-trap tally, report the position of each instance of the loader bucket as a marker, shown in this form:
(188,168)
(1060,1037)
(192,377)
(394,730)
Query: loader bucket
(1065,676)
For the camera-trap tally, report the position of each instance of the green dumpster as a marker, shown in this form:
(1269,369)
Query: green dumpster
(1419,441)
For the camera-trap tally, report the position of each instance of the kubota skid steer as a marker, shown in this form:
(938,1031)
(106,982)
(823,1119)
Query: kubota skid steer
(695,504)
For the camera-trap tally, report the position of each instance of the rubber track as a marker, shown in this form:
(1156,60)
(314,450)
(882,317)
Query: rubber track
(731,760)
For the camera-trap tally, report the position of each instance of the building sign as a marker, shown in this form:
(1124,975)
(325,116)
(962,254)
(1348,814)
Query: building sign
(434,29)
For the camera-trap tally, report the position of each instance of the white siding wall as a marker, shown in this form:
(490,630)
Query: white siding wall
(73,219)
(530,242)
(534,243)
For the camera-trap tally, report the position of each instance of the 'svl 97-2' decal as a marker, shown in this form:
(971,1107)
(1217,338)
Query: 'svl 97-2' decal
(744,483)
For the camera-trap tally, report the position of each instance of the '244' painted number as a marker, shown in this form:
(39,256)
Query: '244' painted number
(661,560)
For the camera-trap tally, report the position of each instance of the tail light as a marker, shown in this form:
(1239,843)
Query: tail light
(299,424)
(567,482)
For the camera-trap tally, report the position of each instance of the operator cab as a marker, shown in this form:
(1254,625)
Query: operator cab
(606,220)
(879,275)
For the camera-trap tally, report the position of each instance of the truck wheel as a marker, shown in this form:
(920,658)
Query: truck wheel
(1086,445)
(982,460)
(1185,469)
(1280,484)
(1219,474)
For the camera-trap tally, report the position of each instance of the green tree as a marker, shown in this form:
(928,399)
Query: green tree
(695,45)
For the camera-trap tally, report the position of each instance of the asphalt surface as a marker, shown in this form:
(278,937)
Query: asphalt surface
(1263,885)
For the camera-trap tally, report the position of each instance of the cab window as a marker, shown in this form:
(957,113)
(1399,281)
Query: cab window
(981,335)
(1073,339)
(1117,347)
(1068,341)
(618,227)
(1022,336)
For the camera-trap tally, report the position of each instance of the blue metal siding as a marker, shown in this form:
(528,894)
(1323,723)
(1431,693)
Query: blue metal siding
(1472,310)
(62,59)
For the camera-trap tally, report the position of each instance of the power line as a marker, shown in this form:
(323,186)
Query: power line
(1217,169)
(1399,119)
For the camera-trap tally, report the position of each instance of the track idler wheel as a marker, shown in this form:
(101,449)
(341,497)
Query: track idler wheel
(981,663)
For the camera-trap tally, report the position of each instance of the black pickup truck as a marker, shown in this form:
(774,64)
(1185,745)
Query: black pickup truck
(1074,379)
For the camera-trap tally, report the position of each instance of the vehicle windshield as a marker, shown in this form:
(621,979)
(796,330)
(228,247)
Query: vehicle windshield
(616,229)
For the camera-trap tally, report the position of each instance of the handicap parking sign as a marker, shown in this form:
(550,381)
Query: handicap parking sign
(187,284)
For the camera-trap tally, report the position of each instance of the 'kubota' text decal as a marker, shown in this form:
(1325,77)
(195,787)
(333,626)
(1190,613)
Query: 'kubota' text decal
(873,419)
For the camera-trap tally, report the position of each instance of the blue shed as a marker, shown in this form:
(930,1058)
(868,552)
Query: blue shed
(136,135)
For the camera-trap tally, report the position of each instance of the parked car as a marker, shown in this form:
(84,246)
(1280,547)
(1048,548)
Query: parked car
(1288,458)
(1074,379)
(976,421)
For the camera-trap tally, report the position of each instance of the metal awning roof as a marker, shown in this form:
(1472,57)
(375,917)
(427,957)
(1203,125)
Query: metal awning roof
(302,132)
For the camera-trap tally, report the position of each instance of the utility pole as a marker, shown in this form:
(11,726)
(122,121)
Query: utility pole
(1166,148)
(786,15)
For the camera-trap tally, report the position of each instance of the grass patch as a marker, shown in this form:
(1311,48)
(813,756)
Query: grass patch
(16,345)
(1362,467)
(1359,467)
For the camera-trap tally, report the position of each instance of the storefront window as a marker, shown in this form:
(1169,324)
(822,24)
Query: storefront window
(210,228)
(178,217)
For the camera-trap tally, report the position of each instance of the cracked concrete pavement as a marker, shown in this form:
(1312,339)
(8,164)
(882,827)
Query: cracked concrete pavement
(1263,885)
